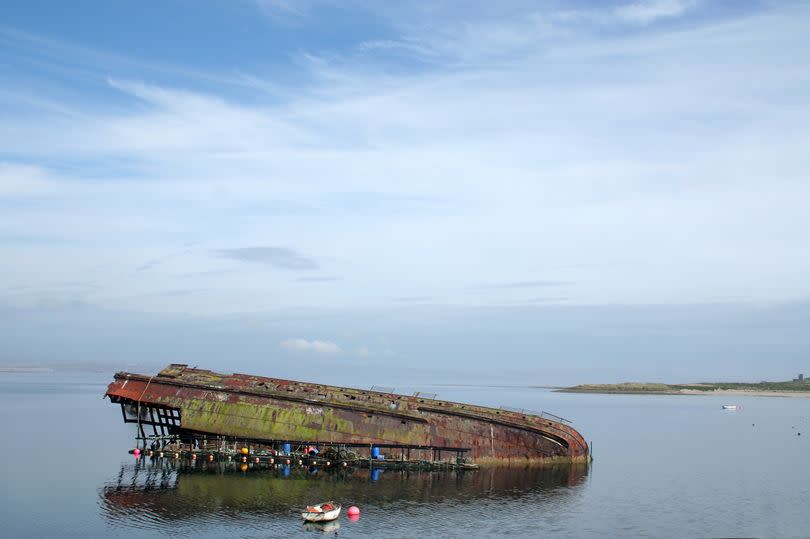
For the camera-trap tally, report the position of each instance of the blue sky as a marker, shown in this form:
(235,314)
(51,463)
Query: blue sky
(325,177)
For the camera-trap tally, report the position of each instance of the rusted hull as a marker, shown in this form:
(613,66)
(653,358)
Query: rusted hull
(250,407)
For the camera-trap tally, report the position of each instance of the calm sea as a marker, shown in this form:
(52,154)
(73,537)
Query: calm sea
(667,466)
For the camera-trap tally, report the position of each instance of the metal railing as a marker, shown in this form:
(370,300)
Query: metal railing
(541,413)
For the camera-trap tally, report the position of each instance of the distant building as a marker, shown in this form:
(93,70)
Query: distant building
(800,378)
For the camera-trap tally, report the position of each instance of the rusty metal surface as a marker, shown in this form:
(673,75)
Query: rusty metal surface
(244,406)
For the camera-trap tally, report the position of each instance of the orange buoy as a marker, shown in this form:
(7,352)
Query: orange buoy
(245,451)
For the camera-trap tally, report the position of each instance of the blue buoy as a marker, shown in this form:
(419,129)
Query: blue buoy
(375,452)
(286,448)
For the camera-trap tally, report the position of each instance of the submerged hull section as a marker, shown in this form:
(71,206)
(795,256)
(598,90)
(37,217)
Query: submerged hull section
(247,407)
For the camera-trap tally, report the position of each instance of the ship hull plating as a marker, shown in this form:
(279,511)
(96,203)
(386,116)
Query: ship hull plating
(240,406)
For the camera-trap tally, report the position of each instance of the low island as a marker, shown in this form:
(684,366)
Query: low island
(798,387)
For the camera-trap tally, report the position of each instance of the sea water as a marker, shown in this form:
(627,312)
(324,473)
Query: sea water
(664,466)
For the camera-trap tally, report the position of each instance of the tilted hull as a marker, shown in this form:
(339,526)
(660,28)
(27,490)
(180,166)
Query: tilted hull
(257,408)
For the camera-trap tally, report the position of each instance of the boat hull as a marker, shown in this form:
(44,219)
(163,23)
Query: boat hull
(326,516)
(258,408)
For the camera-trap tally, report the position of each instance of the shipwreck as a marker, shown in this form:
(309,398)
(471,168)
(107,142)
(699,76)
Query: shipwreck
(182,403)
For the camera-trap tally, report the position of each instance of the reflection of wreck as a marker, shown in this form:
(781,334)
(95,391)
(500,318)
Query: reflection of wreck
(185,402)
(168,491)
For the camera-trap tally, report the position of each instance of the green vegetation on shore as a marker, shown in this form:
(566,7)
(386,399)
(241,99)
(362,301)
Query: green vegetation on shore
(674,389)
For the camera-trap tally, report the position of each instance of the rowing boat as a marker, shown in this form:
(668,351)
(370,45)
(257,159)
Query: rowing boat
(323,512)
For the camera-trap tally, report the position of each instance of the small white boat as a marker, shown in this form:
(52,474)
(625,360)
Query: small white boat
(323,512)
(729,407)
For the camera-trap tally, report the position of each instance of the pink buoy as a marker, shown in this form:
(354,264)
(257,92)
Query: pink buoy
(137,452)
(353,511)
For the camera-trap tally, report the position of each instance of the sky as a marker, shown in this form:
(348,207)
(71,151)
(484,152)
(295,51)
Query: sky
(547,192)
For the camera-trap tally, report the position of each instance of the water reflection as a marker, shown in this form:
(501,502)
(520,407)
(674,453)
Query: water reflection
(158,494)
(323,527)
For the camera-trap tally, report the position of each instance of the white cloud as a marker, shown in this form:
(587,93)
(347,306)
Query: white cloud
(647,11)
(313,346)
(629,165)
(24,181)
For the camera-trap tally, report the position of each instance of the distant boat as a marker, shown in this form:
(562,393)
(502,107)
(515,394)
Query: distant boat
(729,407)
(323,512)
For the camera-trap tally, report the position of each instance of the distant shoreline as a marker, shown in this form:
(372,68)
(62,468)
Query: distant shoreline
(761,389)
(26,369)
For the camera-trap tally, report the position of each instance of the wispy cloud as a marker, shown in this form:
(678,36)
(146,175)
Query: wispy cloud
(21,181)
(76,286)
(527,284)
(601,145)
(548,299)
(182,292)
(149,264)
(284,7)
(648,11)
(317,279)
(313,346)
(405,46)
(280,257)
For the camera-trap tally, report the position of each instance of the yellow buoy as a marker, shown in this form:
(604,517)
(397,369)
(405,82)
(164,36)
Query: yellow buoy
(245,451)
